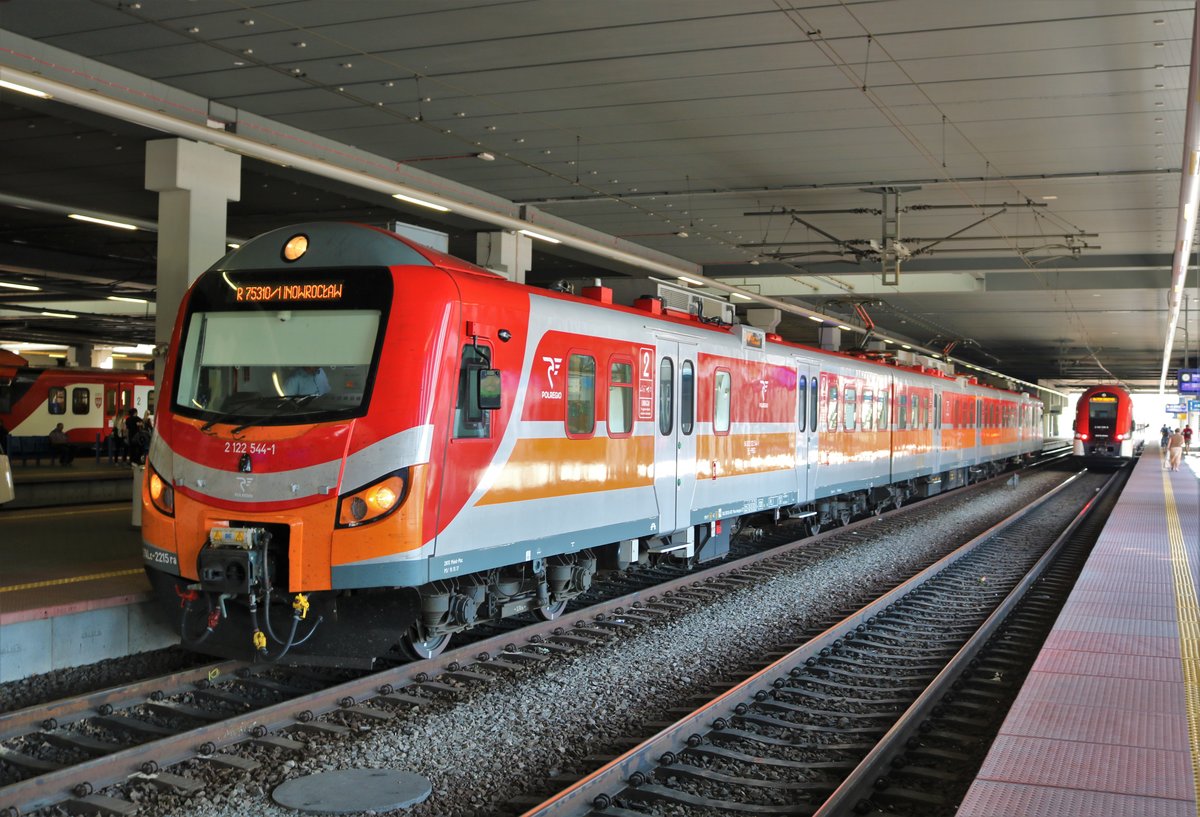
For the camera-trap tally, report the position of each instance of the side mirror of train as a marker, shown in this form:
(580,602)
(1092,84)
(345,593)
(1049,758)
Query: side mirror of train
(488,388)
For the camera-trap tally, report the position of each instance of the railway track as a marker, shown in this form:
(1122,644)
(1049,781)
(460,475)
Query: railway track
(867,717)
(107,737)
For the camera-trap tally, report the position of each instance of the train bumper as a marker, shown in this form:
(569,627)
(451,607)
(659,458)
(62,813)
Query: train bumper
(336,630)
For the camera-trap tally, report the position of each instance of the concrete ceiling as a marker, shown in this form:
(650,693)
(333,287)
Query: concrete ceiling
(1036,145)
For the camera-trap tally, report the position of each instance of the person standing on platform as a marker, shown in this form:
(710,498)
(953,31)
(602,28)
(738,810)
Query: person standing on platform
(1175,450)
(133,428)
(120,448)
(1187,439)
(1166,435)
(60,446)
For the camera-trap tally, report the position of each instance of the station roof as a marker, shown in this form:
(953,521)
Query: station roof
(1022,160)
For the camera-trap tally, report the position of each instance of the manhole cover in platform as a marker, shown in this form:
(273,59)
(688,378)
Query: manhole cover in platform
(349,790)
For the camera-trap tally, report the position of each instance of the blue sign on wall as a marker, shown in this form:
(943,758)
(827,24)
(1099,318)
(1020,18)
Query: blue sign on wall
(1189,381)
(1193,405)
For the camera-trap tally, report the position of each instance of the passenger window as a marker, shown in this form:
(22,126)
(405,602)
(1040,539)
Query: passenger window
(882,403)
(831,422)
(850,408)
(814,398)
(56,400)
(666,396)
(902,412)
(868,410)
(471,421)
(801,402)
(581,394)
(721,388)
(81,401)
(620,399)
(687,397)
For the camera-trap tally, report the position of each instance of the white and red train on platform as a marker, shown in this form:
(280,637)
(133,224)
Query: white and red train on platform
(33,401)
(364,442)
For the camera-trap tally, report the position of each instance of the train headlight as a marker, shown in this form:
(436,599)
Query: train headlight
(162,494)
(371,503)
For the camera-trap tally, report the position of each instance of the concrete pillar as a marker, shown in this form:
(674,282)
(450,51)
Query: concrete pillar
(761,318)
(506,252)
(195,183)
(81,354)
(830,337)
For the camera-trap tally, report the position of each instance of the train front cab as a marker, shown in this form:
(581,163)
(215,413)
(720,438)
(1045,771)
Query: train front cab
(1104,425)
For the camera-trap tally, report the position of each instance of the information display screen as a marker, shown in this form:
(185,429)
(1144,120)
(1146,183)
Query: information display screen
(1189,381)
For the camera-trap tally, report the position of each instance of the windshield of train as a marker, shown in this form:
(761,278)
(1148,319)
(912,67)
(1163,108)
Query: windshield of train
(1102,412)
(255,358)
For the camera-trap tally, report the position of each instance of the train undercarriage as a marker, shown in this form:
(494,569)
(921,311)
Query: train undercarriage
(238,610)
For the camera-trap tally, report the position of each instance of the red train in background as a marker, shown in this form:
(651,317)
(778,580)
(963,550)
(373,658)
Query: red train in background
(363,443)
(33,401)
(1104,425)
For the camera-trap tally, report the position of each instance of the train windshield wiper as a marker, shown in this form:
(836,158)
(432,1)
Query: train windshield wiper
(293,402)
(224,418)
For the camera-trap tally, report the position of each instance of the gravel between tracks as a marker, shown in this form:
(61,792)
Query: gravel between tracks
(481,749)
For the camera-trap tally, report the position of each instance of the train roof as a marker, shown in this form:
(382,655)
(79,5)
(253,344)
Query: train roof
(350,244)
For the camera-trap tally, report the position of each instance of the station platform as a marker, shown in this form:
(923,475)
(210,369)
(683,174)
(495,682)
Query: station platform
(46,483)
(73,590)
(1108,720)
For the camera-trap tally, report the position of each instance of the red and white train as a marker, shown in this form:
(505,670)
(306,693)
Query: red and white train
(365,442)
(1104,425)
(34,401)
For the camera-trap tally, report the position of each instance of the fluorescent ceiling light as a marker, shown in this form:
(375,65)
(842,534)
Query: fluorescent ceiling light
(128,300)
(687,280)
(120,225)
(740,295)
(905,346)
(24,89)
(29,287)
(421,202)
(815,318)
(57,315)
(843,326)
(140,349)
(540,237)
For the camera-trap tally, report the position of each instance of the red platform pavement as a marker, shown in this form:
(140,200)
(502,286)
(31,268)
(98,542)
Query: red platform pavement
(1108,722)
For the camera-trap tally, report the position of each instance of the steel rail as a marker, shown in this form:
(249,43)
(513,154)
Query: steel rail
(637,766)
(23,721)
(873,764)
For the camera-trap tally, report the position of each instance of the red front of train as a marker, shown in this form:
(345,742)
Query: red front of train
(299,411)
(1104,425)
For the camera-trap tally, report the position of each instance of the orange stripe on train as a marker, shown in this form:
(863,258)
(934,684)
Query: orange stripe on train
(543,468)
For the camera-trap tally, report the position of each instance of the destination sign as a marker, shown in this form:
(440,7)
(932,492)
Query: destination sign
(1103,398)
(328,291)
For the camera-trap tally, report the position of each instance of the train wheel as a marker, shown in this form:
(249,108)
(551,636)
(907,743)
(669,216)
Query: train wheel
(549,612)
(814,528)
(419,649)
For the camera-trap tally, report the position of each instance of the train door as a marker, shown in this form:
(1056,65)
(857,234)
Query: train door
(675,435)
(806,429)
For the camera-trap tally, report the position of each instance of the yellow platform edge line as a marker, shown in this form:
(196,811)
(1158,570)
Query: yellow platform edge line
(13,588)
(1188,614)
